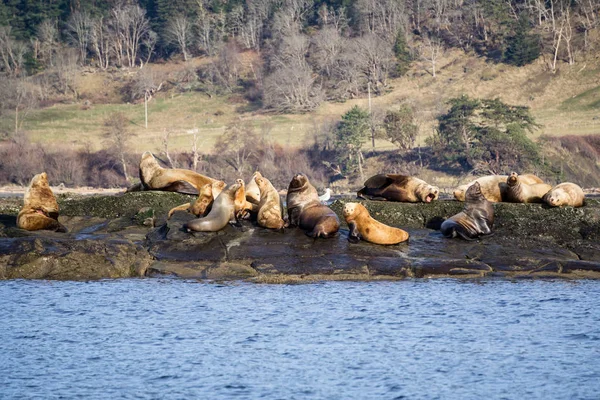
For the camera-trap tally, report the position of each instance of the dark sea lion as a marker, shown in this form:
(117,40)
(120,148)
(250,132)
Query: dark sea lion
(363,226)
(565,194)
(155,177)
(40,208)
(398,188)
(476,219)
(270,209)
(519,192)
(306,210)
(221,213)
(204,202)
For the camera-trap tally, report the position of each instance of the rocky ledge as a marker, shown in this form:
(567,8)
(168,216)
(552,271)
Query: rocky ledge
(128,236)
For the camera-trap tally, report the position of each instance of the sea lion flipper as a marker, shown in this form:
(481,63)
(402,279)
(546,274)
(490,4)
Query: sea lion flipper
(181,187)
(183,207)
(354,235)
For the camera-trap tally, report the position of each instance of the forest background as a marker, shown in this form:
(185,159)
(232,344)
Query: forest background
(339,90)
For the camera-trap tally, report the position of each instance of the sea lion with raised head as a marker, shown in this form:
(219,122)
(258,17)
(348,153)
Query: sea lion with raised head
(155,177)
(494,187)
(565,194)
(204,202)
(40,208)
(242,206)
(270,209)
(306,211)
(221,213)
(252,189)
(363,226)
(398,188)
(475,220)
(519,192)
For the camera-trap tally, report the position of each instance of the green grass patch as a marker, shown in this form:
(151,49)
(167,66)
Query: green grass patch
(590,99)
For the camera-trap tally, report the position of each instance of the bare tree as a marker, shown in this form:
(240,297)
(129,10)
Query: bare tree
(292,89)
(47,41)
(431,50)
(65,67)
(118,135)
(100,39)
(12,52)
(179,30)
(78,31)
(589,10)
(165,150)
(20,95)
(146,84)
(375,59)
(227,68)
(328,45)
(131,27)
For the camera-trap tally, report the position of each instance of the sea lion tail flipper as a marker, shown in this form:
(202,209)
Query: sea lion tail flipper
(181,187)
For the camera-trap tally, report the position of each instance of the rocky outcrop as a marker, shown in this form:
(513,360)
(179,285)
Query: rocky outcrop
(128,236)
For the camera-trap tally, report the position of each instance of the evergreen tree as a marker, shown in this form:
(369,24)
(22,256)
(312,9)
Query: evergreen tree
(400,128)
(402,53)
(351,134)
(523,47)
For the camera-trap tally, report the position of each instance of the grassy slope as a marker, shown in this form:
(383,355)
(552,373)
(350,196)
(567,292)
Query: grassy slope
(565,103)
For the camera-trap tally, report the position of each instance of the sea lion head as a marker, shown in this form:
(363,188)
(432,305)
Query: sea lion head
(555,198)
(459,192)
(148,167)
(428,193)
(513,179)
(297,182)
(473,193)
(217,187)
(241,182)
(205,199)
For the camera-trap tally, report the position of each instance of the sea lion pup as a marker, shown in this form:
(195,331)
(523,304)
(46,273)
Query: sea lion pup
(40,208)
(519,192)
(494,187)
(306,210)
(565,194)
(398,188)
(476,219)
(222,212)
(155,177)
(270,209)
(363,226)
(202,205)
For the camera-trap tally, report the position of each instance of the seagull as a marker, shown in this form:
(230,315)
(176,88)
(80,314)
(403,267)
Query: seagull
(326,196)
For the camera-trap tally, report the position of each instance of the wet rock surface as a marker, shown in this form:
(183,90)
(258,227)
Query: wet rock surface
(128,236)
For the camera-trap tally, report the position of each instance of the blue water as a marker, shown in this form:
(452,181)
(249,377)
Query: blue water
(415,339)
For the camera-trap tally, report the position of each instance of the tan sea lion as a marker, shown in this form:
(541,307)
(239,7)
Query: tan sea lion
(494,187)
(306,210)
(519,192)
(270,209)
(252,189)
(221,213)
(155,177)
(398,188)
(565,194)
(40,208)
(363,226)
(476,219)
(242,205)
(202,205)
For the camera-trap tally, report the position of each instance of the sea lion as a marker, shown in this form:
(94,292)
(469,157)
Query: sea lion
(221,213)
(202,205)
(494,187)
(476,219)
(398,188)
(306,210)
(155,177)
(270,209)
(519,192)
(252,190)
(242,205)
(565,194)
(363,226)
(40,208)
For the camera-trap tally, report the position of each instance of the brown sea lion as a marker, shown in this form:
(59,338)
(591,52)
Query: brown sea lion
(221,213)
(476,219)
(398,188)
(519,192)
(363,226)
(494,187)
(202,205)
(270,209)
(40,208)
(306,210)
(565,194)
(242,205)
(155,177)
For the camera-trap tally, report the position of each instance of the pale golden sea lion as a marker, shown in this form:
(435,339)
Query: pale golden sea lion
(475,220)
(155,177)
(202,205)
(363,226)
(398,188)
(242,206)
(306,210)
(221,213)
(40,208)
(494,187)
(519,192)
(565,194)
(270,209)
(252,189)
